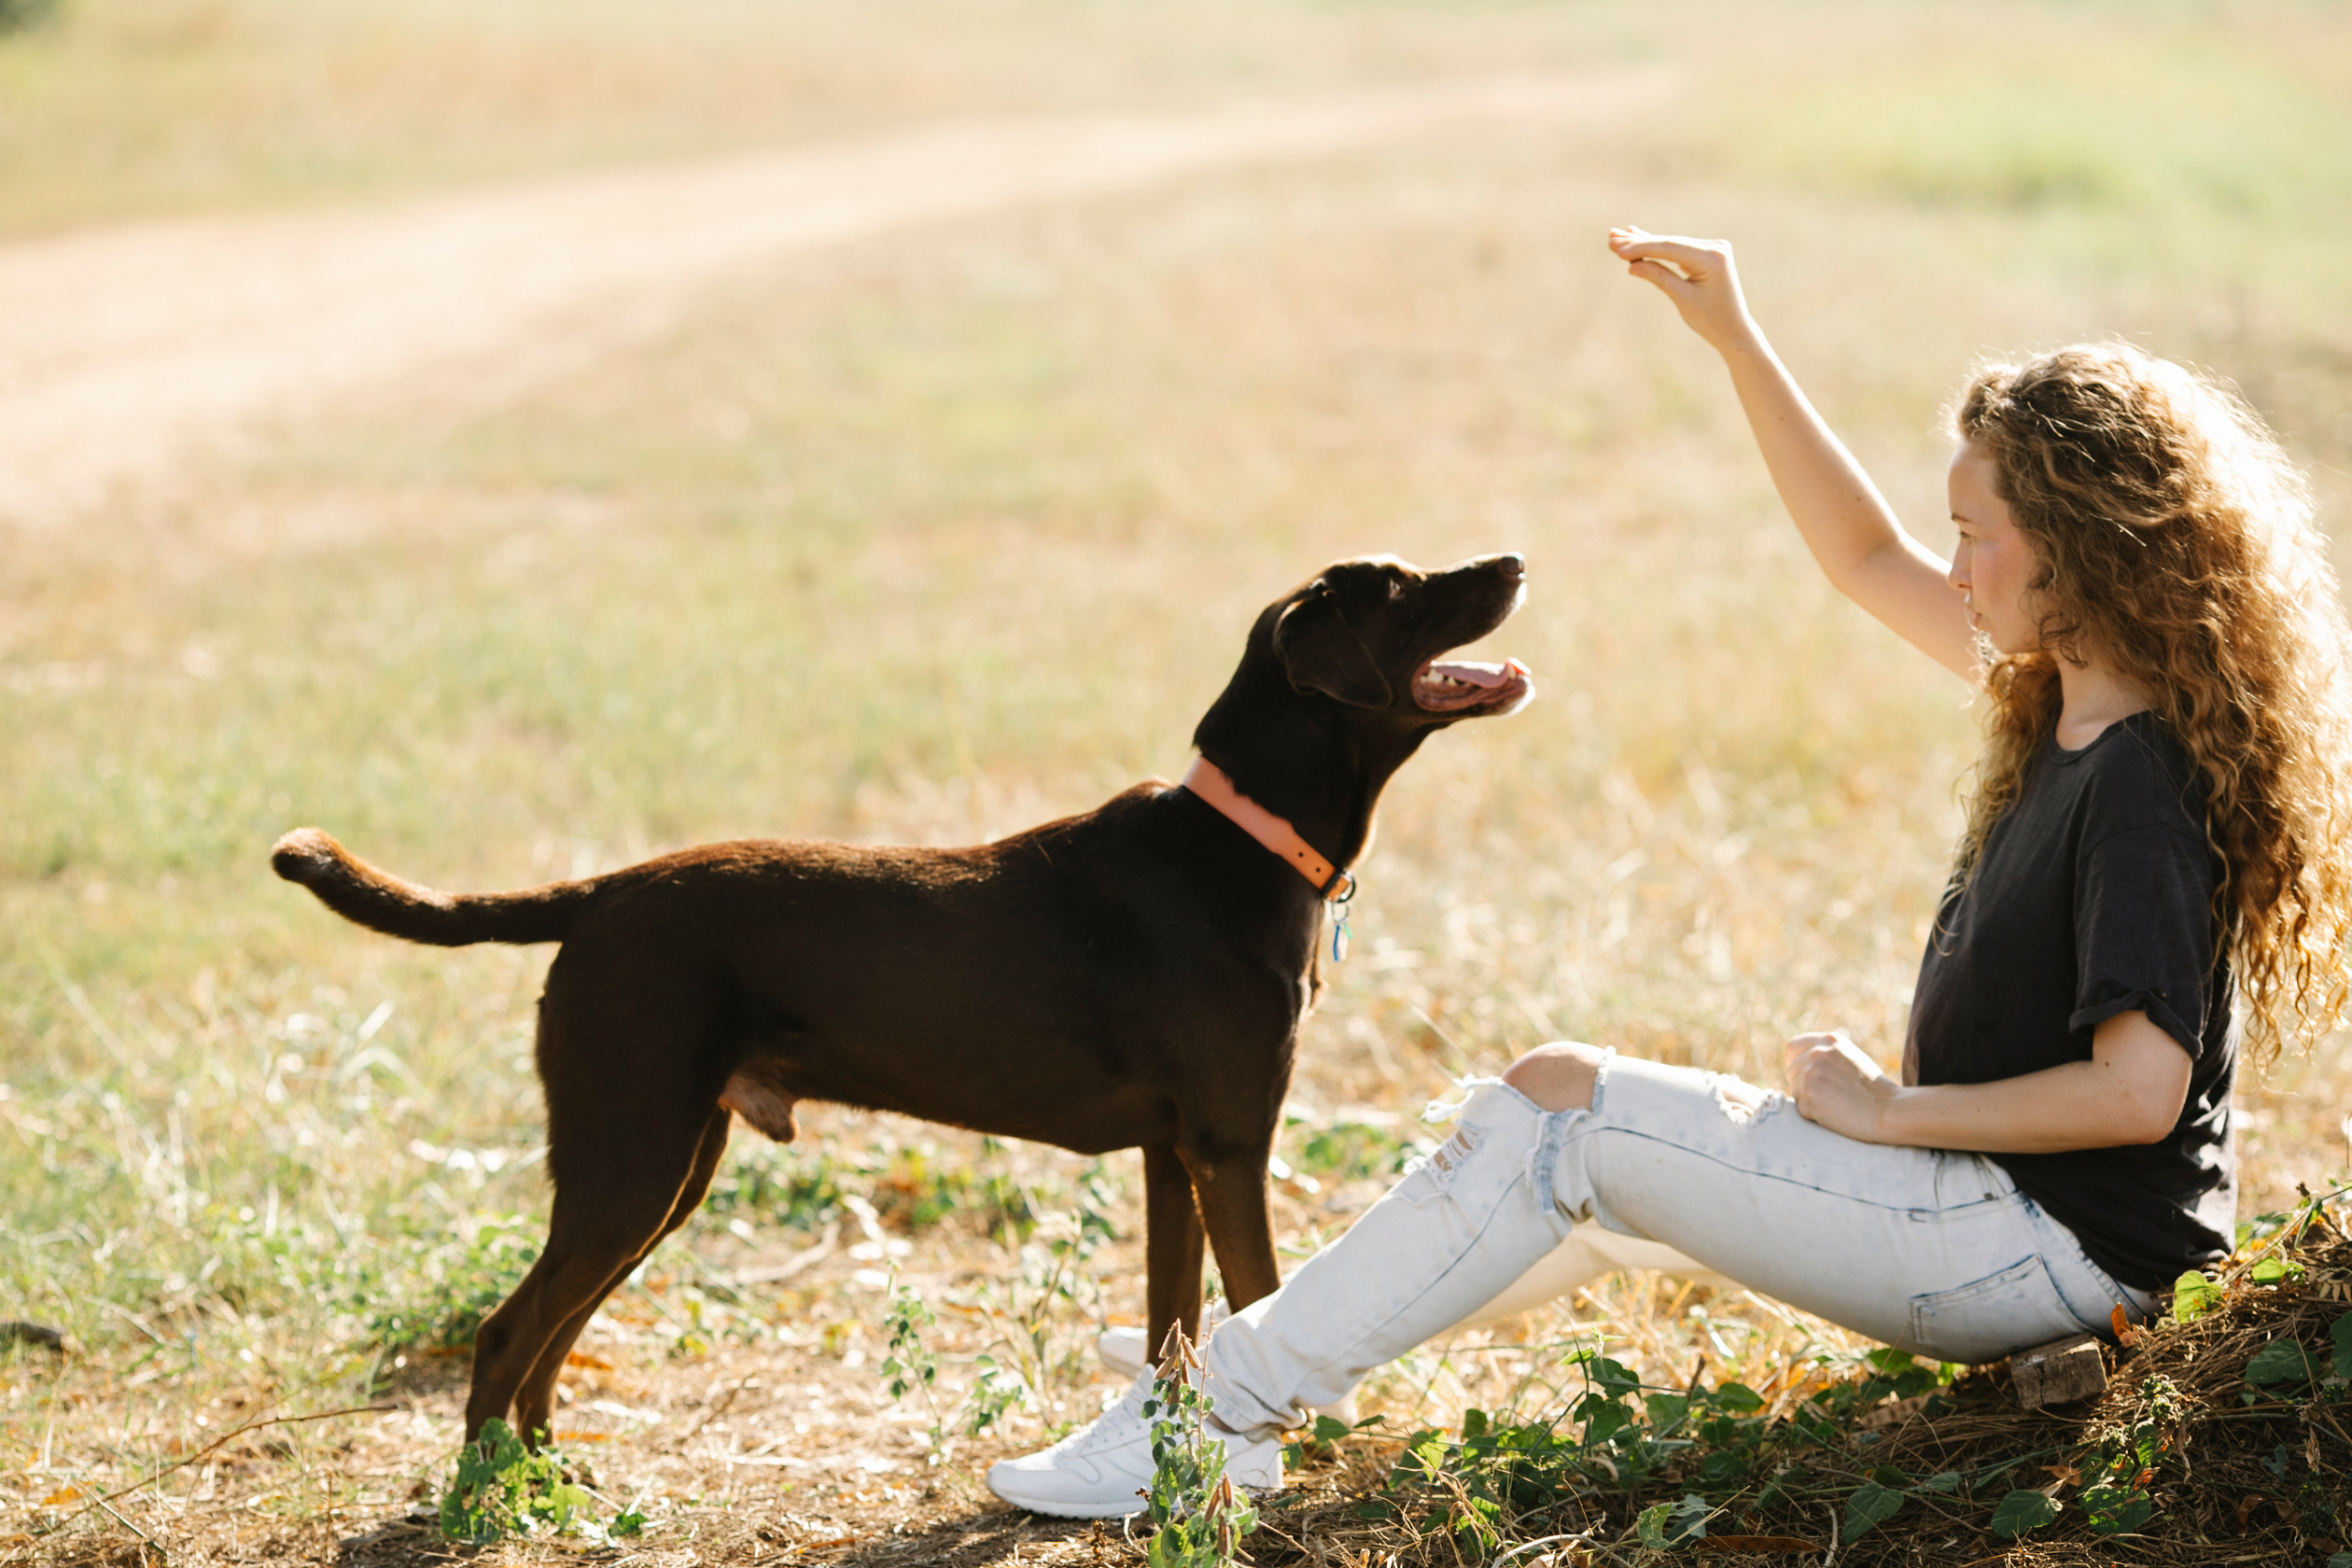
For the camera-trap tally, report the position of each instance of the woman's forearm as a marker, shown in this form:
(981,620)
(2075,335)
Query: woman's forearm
(1844,521)
(2076,1106)
(1854,536)
(2131,1091)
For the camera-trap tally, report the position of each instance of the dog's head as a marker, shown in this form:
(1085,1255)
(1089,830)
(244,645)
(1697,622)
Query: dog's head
(1346,675)
(1371,635)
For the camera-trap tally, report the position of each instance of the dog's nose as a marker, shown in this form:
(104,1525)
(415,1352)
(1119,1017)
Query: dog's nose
(1512,564)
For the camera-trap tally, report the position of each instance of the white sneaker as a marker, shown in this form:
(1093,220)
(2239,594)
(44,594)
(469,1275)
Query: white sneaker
(1124,1350)
(1102,1471)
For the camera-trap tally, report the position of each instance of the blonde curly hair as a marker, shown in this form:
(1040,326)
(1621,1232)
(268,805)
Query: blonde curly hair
(2175,537)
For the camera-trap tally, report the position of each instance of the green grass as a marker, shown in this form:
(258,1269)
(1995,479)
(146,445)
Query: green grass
(933,538)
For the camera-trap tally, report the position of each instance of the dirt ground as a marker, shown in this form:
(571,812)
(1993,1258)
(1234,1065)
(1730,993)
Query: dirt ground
(125,352)
(769,1437)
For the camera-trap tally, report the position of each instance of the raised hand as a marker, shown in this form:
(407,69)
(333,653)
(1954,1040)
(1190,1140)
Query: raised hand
(1846,523)
(1698,276)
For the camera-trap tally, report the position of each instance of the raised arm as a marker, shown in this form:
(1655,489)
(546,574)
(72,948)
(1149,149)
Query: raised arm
(1845,521)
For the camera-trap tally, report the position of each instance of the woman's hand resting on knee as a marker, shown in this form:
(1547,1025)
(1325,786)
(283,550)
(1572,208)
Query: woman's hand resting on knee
(2131,1091)
(1836,1083)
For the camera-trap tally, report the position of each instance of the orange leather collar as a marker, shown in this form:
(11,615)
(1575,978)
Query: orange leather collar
(1209,781)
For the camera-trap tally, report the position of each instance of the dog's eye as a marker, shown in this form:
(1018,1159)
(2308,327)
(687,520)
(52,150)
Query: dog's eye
(1397,590)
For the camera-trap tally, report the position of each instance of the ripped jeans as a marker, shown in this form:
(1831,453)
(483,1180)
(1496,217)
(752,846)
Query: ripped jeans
(1933,1252)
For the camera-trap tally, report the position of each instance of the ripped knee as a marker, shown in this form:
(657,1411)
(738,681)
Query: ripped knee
(1741,1101)
(1560,1076)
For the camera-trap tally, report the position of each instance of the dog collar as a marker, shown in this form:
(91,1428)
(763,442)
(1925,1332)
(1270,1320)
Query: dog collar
(1209,781)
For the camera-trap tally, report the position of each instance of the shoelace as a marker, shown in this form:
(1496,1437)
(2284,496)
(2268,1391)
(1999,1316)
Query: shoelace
(1120,1423)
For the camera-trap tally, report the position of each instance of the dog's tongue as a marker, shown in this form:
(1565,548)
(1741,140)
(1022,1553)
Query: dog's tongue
(1480,674)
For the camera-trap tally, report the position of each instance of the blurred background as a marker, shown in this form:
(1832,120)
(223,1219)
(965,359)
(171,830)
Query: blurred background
(522,437)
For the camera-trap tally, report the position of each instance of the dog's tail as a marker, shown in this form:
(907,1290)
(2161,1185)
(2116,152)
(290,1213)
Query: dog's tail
(360,892)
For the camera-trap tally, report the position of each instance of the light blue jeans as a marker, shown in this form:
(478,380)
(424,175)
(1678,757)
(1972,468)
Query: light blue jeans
(1933,1252)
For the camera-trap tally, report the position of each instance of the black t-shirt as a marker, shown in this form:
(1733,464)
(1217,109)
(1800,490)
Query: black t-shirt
(2092,898)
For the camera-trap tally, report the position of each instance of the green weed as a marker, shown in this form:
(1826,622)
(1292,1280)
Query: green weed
(1053,1286)
(2123,1466)
(910,1187)
(910,1367)
(1347,1151)
(502,1488)
(1200,1516)
(453,1288)
(1716,1446)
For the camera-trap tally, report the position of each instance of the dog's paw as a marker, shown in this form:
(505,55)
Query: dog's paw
(305,855)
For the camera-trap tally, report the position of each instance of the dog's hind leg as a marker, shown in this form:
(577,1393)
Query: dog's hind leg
(607,1216)
(1171,1246)
(534,1400)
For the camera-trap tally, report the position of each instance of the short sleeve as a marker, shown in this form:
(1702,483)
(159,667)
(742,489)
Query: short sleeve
(2143,932)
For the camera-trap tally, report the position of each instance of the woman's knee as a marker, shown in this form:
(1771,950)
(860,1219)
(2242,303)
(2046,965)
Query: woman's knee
(1559,1076)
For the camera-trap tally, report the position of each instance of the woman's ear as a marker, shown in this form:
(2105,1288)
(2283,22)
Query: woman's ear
(1322,653)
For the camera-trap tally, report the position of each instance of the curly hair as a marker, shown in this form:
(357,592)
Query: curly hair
(2175,537)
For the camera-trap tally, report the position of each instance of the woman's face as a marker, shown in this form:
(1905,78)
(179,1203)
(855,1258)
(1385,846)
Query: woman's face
(1994,565)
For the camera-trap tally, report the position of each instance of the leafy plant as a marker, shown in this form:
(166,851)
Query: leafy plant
(911,1189)
(995,1390)
(1663,1526)
(2194,1294)
(910,1367)
(789,1187)
(1053,1269)
(2283,1360)
(458,1286)
(1201,1514)
(2022,1511)
(2122,1465)
(1721,1451)
(502,1488)
(1347,1150)
(1317,1442)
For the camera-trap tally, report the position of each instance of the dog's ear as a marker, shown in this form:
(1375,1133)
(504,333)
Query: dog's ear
(1322,653)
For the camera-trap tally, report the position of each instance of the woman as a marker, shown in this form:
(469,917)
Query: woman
(2153,860)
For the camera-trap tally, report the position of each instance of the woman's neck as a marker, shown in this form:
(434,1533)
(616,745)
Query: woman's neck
(2092,697)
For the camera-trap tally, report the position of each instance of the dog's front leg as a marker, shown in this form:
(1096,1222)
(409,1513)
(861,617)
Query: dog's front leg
(1231,1191)
(1171,1247)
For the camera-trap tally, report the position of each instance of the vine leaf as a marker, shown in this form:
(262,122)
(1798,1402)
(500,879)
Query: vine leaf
(2282,1361)
(1868,1505)
(2194,1297)
(2022,1511)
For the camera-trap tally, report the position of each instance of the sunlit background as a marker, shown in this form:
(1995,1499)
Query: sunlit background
(521,437)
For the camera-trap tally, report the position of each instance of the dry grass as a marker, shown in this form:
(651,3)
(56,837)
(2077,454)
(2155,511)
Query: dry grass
(144,108)
(933,538)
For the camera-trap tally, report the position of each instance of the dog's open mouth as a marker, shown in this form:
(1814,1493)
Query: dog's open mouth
(1468,686)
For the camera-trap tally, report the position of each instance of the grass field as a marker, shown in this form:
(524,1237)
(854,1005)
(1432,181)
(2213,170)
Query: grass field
(929,538)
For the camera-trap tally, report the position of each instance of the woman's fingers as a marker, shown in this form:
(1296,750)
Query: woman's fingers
(1696,274)
(1696,260)
(1672,282)
(1798,1044)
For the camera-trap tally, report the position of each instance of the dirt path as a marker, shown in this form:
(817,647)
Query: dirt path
(124,352)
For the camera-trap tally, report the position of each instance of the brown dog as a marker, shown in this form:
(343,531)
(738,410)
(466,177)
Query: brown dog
(1135,976)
